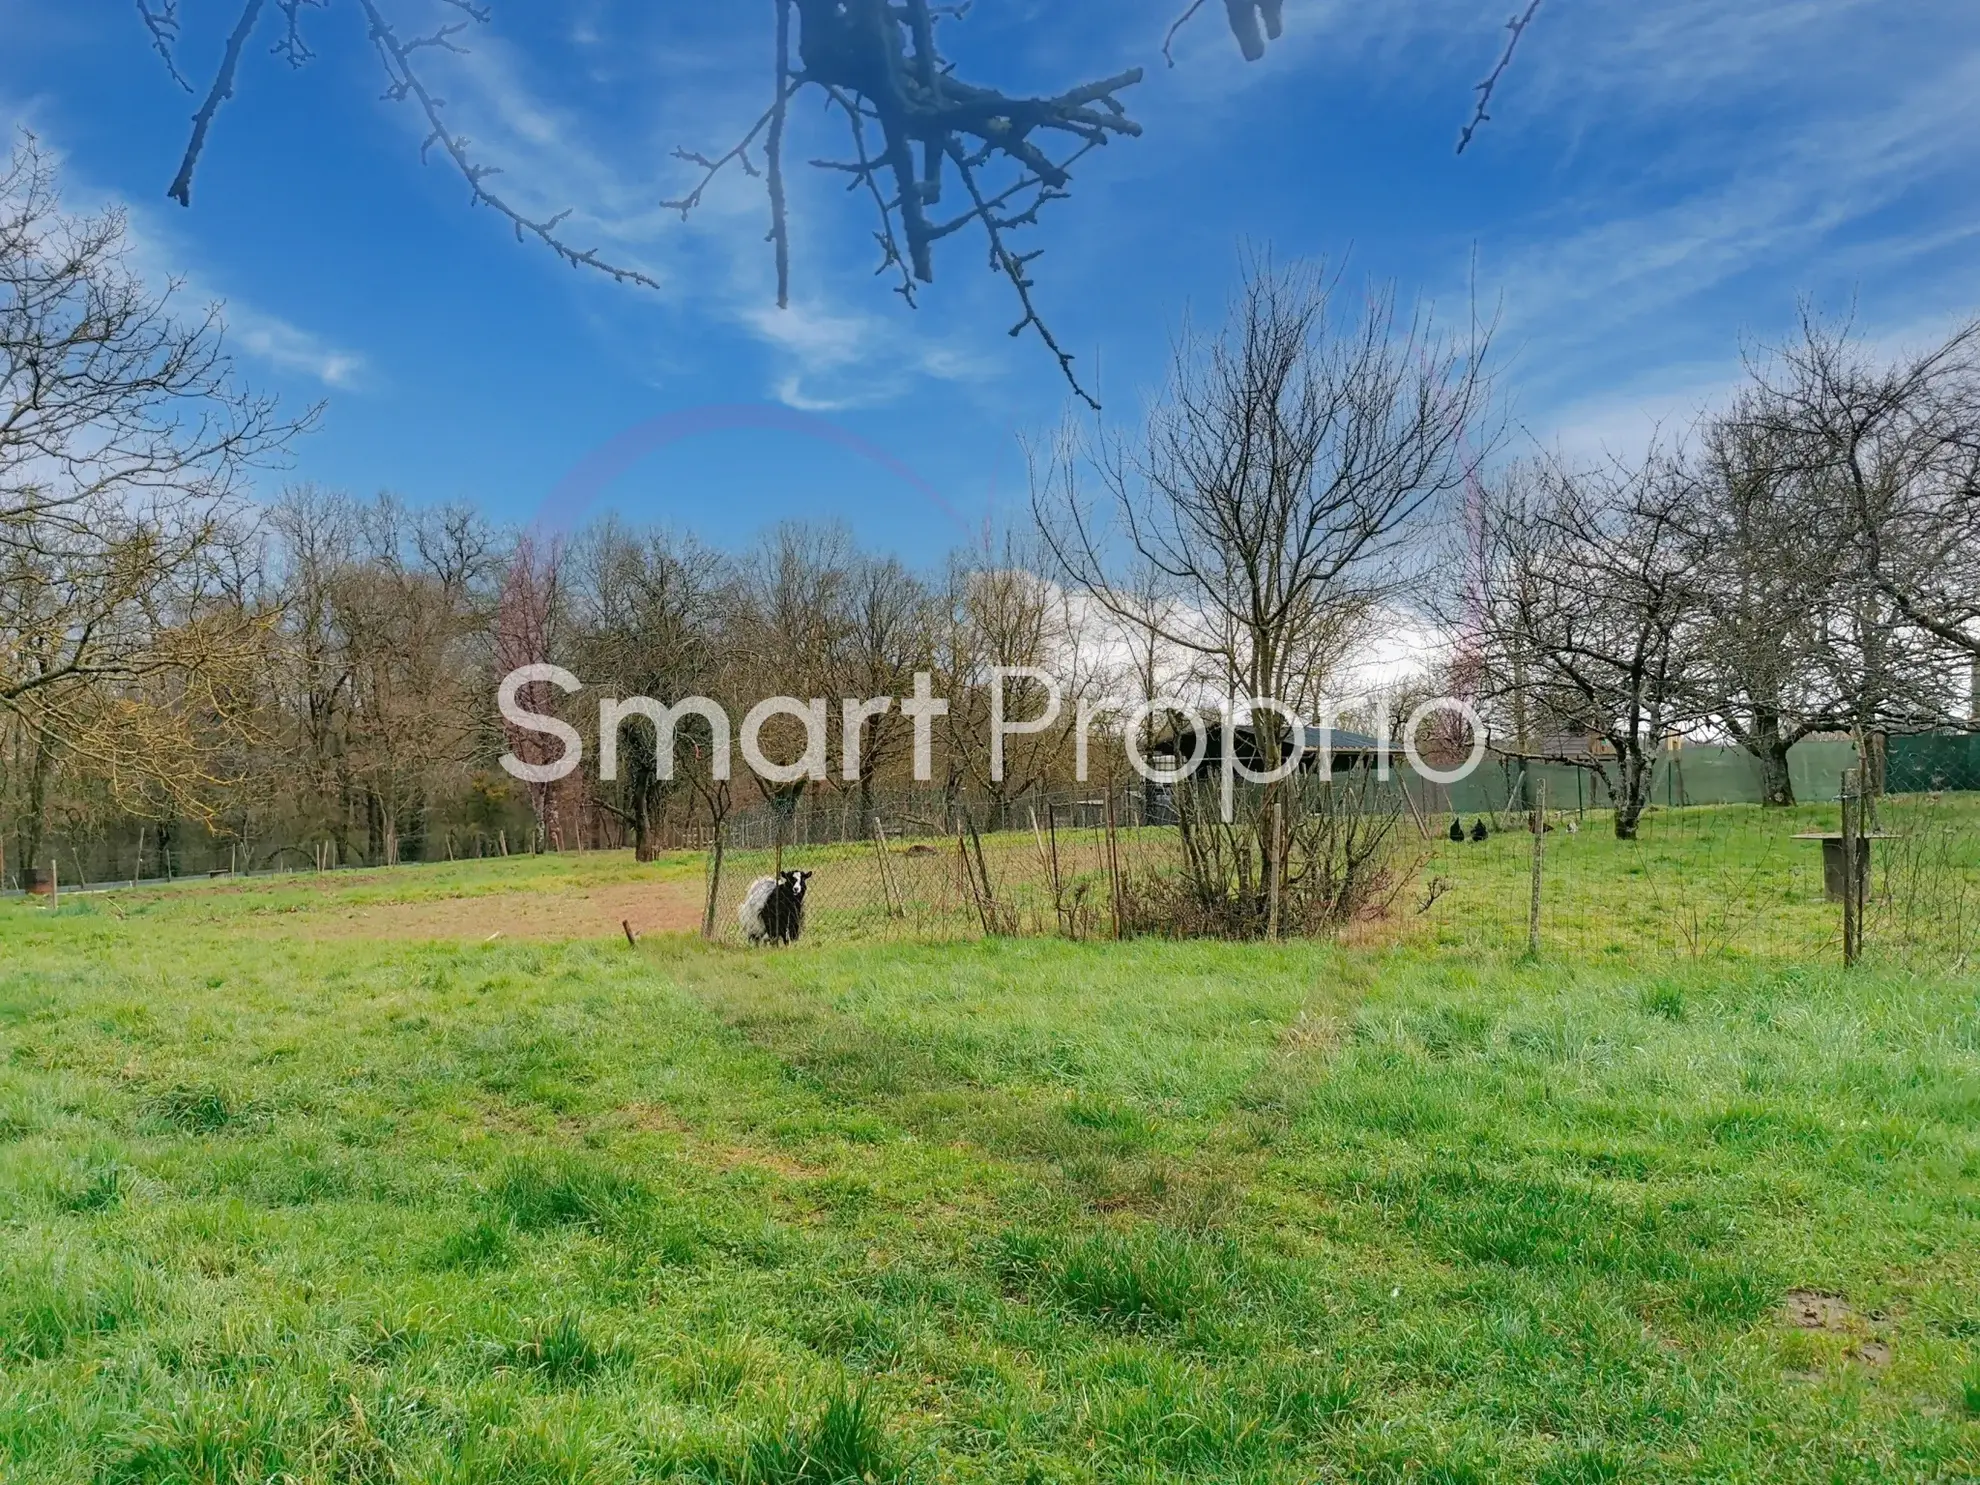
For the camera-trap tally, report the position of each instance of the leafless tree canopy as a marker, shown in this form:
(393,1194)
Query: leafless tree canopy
(937,155)
(1273,496)
(1891,447)
(1586,613)
(1264,513)
(1808,563)
(124,442)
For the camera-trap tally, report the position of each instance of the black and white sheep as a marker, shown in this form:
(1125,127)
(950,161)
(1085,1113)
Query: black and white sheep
(772,911)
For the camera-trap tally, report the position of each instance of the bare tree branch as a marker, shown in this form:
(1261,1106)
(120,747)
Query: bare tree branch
(163,25)
(1175,30)
(219,93)
(405,82)
(1517,28)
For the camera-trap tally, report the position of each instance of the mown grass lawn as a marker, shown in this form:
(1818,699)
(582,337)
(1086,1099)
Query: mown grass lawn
(276,1210)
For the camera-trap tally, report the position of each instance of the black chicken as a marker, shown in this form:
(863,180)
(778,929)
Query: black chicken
(1457,830)
(1479,832)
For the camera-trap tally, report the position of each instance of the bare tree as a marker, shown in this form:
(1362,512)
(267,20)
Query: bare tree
(1891,448)
(532,617)
(1770,568)
(1003,613)
(125,441)
(1591,614)
(647,624)
(885,636)
(1276,490)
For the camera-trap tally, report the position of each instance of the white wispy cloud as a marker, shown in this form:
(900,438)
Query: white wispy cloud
(825,352)
(1804,186)
(291,349)
(157,253)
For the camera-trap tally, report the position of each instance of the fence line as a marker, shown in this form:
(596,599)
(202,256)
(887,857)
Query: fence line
(1891,876)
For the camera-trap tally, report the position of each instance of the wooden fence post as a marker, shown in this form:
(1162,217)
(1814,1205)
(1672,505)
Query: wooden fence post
(895,909)
(1066,923)
(54,884)
(969,875)
(1114,868)
(1422,825)
(983,868)
(1274,869)
(1538,824)
(1852,830)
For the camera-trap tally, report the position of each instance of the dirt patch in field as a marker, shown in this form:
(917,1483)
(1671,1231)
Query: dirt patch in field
(1807,1309)
(527,917)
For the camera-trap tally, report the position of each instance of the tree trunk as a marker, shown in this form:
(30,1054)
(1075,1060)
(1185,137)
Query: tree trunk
(34,822)
(1769,745)
(1638,770)
(645,824)
(866,810)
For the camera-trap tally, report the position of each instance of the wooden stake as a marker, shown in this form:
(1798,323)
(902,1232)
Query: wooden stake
(1852,829)
(969,876)
(632,939)
(989,892)
(1058,883)
(1275,869)
(1538,823)
(896,904)
(1114,882)
(1038,835)
(54,884)
(1422,827)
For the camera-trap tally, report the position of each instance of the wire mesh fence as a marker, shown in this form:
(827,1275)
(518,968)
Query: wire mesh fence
(1689,882)
(1880,861)
(1048,864)
(1711,881)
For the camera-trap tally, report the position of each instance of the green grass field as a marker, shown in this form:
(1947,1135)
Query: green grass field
(280,1205)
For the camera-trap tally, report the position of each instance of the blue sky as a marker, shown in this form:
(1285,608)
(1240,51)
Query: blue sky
(1660,182)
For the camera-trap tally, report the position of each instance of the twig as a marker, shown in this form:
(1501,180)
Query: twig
(1169,41)
(405,83)
(736,154)
(163,24)
(221,91)
(292,48)
(1517,27)
(1012,266)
